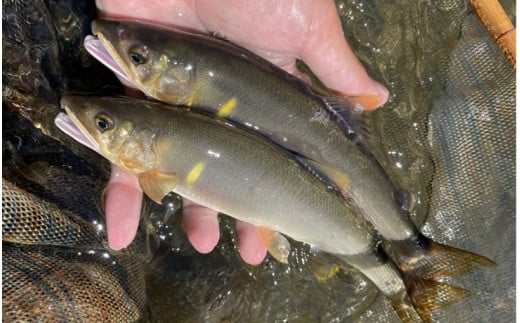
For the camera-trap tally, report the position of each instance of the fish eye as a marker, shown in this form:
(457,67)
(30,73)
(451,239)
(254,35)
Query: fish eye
(138,55)
(103,122)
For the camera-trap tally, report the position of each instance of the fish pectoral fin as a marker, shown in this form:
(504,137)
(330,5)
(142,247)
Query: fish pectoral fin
(328,173)
(277,245)
(156,185)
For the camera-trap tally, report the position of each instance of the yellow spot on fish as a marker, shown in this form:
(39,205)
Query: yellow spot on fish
(227,107)
(194,173)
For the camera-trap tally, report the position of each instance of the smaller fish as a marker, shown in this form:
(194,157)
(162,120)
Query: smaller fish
(239,173)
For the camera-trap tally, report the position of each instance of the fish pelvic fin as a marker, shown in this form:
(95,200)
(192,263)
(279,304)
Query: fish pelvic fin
(277,245)
(326,173)
(426,296)
(428,259)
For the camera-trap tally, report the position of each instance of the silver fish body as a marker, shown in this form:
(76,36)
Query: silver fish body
(235,172)
(240,173)
(180,67)
(225,168)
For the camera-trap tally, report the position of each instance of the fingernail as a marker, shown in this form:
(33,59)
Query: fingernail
(382,91)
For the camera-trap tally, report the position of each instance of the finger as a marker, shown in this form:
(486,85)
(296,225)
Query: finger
(201,226)
(334,62)
(250,247)
(123,198)
(178,13)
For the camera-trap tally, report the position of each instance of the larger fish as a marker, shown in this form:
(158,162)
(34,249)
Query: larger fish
(247,177)
(180,67)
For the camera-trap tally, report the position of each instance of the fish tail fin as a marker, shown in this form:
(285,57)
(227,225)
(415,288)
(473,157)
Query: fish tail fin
(428,259)
(426,296)
(423,261)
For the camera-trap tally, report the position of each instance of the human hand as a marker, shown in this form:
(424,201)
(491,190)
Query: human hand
(280,31)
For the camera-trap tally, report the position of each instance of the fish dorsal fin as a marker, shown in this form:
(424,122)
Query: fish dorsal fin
(346,114)
(156,185)
(326,173)
(354,117)
(277,245)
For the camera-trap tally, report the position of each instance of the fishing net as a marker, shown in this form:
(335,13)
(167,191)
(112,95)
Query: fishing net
(56,269)
(56,266)
(447,135)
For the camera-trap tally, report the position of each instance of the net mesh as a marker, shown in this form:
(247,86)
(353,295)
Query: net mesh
(55,268)
(446,135)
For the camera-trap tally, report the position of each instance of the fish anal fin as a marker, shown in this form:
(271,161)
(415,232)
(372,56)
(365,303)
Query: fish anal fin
(332,175)
(156,185)
(277,245)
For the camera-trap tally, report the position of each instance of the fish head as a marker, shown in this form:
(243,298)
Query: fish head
(146,57)
(114,127)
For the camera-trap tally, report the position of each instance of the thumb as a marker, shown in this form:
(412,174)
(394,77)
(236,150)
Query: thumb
(333,62)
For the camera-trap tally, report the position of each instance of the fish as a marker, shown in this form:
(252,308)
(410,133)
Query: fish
(239,173)
(179,66)
(182,67)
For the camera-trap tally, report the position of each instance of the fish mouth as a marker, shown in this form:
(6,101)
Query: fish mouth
(73,128)
(97,46)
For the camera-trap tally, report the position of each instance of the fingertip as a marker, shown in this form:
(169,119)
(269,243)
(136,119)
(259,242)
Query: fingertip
(123,199)
(382,92)
(201,226)
(250,247)
(333,61)
(378,96)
